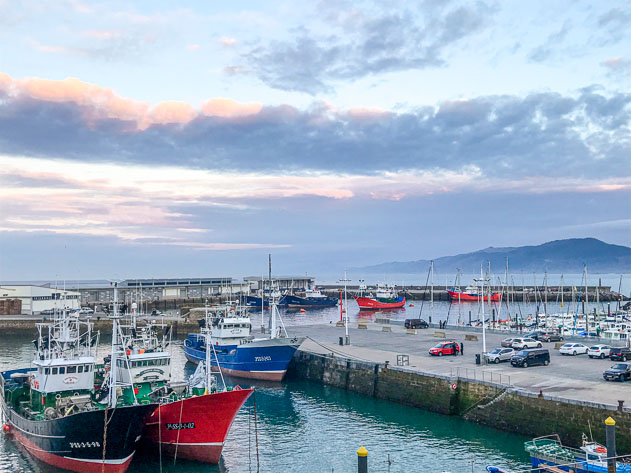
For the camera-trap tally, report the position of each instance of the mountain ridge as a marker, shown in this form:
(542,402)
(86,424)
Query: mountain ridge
(568,255)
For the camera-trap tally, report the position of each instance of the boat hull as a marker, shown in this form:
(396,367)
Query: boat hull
(579,467)
(367,303)
(253,302)
(265,359)
(75,442)
(465,297)
(195,428)
(295,302)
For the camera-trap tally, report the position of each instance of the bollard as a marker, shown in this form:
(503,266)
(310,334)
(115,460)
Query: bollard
(610,433)
(362,460)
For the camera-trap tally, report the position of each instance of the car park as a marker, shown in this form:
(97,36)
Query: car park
(618,372)
(416,323)
(599,351)
(523,343)
(620,354)
(534,357)
(499,354)
(445,348)
(507,342)
(573,349)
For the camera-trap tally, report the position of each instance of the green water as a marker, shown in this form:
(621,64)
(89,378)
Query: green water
(307,427)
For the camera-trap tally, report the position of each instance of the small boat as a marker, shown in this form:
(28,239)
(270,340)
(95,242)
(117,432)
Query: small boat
(470,294)
(313,299)
(236,351)
(386,297)
(590,458)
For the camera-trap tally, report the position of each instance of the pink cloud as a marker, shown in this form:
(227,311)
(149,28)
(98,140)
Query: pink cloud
(228,108)
(228,41)
(193,47)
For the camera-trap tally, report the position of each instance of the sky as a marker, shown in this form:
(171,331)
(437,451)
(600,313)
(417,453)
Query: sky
(192,139)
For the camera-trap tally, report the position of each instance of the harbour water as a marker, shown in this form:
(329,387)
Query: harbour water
(308,427)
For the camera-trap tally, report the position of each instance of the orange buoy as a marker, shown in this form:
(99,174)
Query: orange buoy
(411,305)
(6,428)
(598,449)
(302,310)
(142,350)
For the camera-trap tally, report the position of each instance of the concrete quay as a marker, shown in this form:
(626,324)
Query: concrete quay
(567,397)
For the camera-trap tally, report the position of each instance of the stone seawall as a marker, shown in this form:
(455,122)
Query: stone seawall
(503,407)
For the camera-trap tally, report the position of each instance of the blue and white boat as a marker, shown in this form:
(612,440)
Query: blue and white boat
(237,351)
(590,458)
(313,299)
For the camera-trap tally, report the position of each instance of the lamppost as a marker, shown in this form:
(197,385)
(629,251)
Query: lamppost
(347,340)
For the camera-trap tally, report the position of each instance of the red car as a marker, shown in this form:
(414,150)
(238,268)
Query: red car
(445,348)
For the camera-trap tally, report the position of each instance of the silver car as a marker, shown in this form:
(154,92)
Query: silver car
(499,354)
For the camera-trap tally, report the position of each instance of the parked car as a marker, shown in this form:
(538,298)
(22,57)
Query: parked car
(599,351)
(507,342)
(539,335)
(416,323)
(554,337)
(526,358)
(620,354)
(445,348)
(86,310)
(573,349)
(618,372)
(499,354)
(521,343)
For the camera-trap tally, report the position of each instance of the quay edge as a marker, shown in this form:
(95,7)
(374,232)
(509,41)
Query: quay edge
(486,403)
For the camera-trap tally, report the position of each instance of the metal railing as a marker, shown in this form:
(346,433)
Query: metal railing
(474,374)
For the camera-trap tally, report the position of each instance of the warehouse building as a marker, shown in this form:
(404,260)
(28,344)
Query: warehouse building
(163,288)
(284,283)
(38,300)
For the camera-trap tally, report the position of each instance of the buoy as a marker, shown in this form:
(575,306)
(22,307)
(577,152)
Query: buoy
(411,305)
(598,449)
(142,350)
(302,310)
(128,351)
(6,428)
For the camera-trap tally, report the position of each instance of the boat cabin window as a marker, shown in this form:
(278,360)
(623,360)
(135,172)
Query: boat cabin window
(46,370)
(55,370)
(62,370)
(80,369)
(592,457)
(87,368)
(71,369)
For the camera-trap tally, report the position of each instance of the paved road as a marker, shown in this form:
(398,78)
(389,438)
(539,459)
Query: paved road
(577,378)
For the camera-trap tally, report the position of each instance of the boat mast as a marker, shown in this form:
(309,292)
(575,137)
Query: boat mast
(347,339)
(545,294)
(113,363)
(432,287)
(483,316)
(208,347)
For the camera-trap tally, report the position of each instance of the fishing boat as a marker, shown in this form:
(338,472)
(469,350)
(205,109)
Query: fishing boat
(470,294)
(254,302)
(194,416)
(313,299)
(237,351)
(54,410)
(590,458)
(385,297)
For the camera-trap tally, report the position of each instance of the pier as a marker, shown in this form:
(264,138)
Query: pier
(387,361)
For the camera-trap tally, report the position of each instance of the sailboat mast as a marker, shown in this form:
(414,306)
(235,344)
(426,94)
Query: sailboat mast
(114,359)
(432,288)
(483,316)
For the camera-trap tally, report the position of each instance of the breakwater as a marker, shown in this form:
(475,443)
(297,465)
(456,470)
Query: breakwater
(512,293)
(489,403)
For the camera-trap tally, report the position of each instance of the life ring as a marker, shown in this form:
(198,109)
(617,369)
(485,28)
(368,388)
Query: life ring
(601,450)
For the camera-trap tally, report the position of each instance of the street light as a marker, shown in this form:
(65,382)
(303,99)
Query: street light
(347,341)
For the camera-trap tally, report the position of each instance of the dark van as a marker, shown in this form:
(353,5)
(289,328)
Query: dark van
(534,357)
(416,323)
